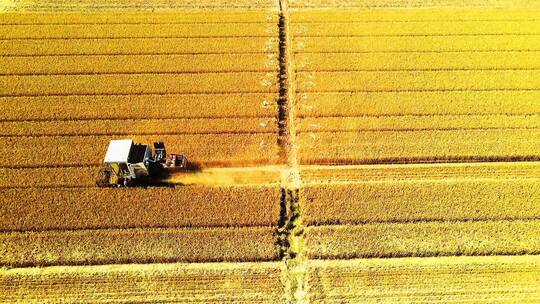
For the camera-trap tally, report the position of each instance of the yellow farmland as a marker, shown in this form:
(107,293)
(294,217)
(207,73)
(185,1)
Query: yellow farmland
(339,151)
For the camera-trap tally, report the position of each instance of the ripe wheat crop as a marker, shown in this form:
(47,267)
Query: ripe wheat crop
(194,206)
(107,246)
(211,149)
(139,106)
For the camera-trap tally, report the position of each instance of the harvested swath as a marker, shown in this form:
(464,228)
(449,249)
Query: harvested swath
(138,64)
(116,246)
(138,106)
(144,83)
(415,44)
(202,149)
(225,16)
(418,103)
(434,122)
(94,208)
(416,28)
(425,14)
(423,239)
(112,31)
(66,177)
(417,61)
(138,46)
(419,146)
(493,279)
(401,193)
(171,282)
(418,80)
(139,126)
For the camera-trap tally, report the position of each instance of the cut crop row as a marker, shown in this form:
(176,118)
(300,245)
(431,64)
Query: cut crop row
(423,239)
(490,279)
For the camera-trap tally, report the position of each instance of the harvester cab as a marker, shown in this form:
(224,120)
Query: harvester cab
(131,164)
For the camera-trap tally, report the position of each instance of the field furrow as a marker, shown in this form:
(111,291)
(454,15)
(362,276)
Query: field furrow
(419,146)
(423,239)
(99,64)
(417,61)
(412,4)
(404,44)
(144,83)
(419,103)
(418,80)
(203,149)
(95,208)
(139,126)
(407,16)
(492,279)
(140,46)
(403,123)
(178,106)
(67,18)
(115,246)
(416,28)
(169,282)
(113,31)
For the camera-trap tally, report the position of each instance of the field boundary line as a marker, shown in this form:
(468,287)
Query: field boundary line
(291,229)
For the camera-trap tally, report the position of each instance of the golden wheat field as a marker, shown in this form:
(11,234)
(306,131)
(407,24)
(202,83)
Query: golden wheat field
(340,151)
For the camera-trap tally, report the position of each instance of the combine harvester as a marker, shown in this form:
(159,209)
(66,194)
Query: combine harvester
(130,164)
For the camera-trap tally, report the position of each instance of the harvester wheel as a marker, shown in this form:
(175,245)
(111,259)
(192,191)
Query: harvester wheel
(104,179)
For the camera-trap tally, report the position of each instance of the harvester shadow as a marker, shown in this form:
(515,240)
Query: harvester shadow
(160,177)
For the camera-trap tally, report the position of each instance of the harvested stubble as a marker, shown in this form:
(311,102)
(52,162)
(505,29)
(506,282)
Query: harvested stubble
(423,239)
(90,64)
(493,279)
(140,126)
(138,106)
(193,283)
(113,31)
(418,80)
(427,145)
(434,103)
(113,246)
(431,122)
(94,208)
(401,193)
(143,83)
(202,149)
(418,61)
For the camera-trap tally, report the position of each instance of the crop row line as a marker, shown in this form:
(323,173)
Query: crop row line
(139,118)
(315,70)
(418,35)
(135,37)
(296,52)
(135,228)
(193,72)
(422,90)
(139,94)
(164,54)
(142,133)
(410,21)
(413,129)
(528,114)
(422,160)
(424,221)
